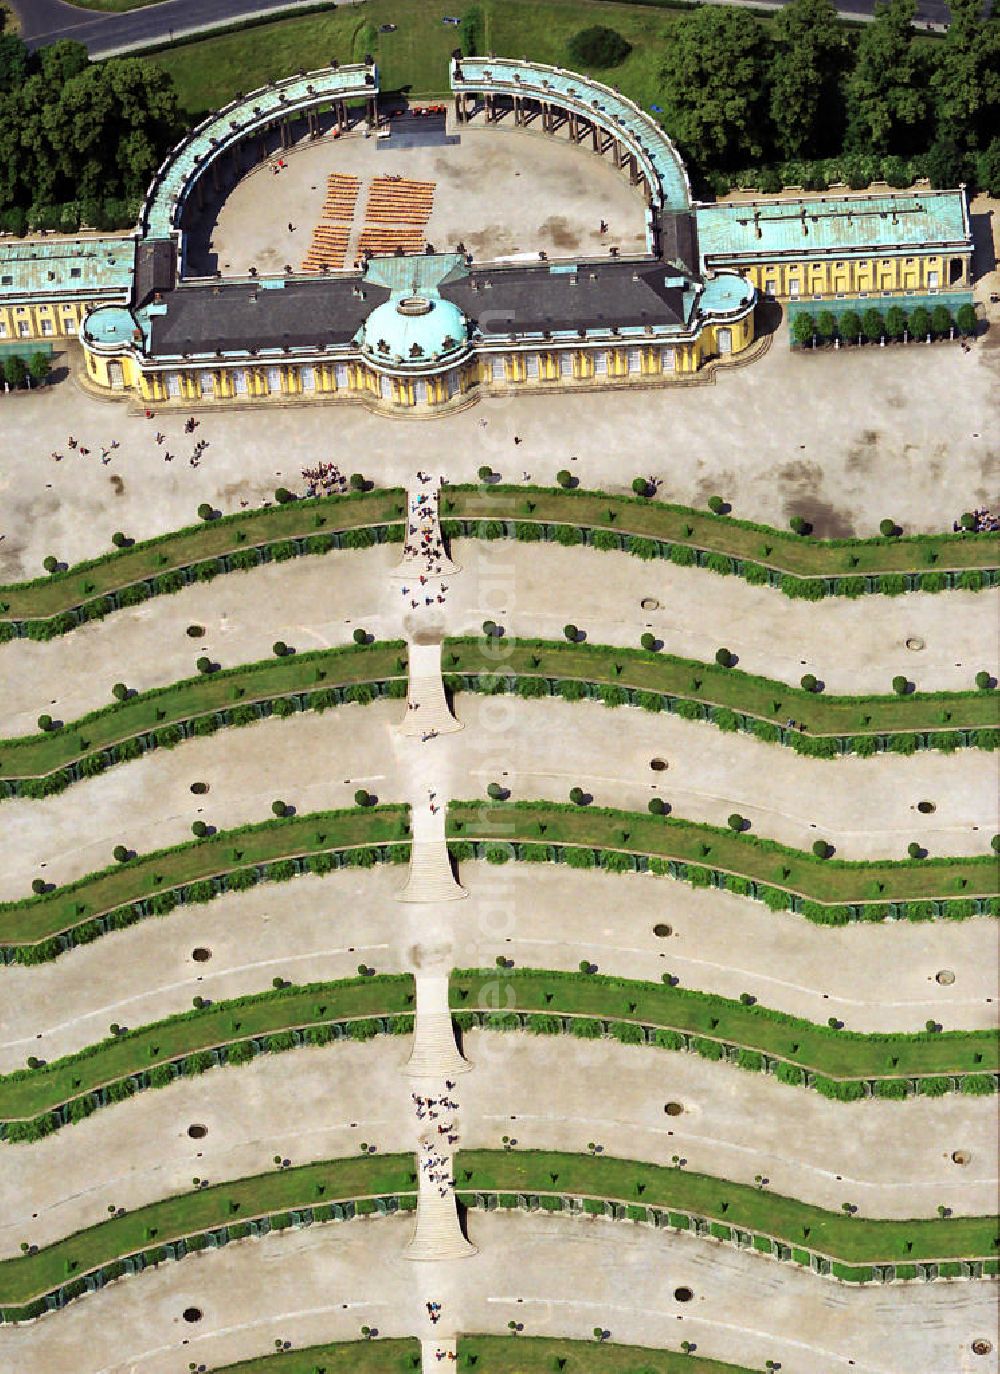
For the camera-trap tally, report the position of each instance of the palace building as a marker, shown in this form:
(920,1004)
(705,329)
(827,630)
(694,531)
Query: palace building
(412,331)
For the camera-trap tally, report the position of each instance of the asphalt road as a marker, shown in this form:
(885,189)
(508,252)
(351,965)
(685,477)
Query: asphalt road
(45,21)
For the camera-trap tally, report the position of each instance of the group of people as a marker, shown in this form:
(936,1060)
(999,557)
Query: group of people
(324,479)
(423,541)
(985,522)
(435,1164)
(73,443)
(440,1355)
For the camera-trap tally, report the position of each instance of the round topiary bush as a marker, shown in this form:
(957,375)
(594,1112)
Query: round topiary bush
(363,797)
(716,505)
(914,850)
(577,796)
(571,632)
(283,496)
(50,563)
(736,822)
(279,648)
(119,539)
(360,636)
(657,806)
(45,722)
(204,665)
(724,658)
(495,792)
(799,524)
(120,853)
(900,685)
(640,486)
(38,886)
(564,478)
(279,807)
(984,681)
(887,528)
(648,641)
(357,482)
(821,849)
(199,830)
(598,46)
(808,682)
(205,511)
(485,473)
(119,691)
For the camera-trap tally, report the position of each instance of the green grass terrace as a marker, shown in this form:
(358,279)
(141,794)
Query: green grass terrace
(850,1239)
(774,549)
(27,1092)
(395,1355)
(841,1055)
(708,848)
(319,519)
(543,1354)
(685,679)
(236,1203)
(151,877)
(209,697)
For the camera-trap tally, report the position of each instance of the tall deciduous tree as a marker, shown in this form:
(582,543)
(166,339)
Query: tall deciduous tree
(886,96)
(809,60)
(966,78)
(715,78)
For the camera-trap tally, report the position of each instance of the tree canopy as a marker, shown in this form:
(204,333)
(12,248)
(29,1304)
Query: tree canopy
(79,140)
(810,56)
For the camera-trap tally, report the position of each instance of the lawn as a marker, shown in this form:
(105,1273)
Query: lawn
(28,1092)
(855,1240)
(415,58)
(779,549)
(708,847)
(36,918)
(542,1354)
(761,697)
(34,755)
(47,596)
(393,1356)
(28,1276)
(836,1054)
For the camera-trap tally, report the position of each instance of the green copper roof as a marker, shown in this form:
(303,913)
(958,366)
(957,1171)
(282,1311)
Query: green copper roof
(414,331)
(65,267)
(415,273)
(608,107)
(825,224)
(234,122)
(725,293)
(110,325)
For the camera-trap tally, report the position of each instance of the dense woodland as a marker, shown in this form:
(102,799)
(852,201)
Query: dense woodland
(79,140)
(798,99)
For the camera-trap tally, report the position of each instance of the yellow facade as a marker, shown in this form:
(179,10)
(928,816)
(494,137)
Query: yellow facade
(41,320)
(833,277)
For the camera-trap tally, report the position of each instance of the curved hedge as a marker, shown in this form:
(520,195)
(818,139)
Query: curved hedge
(799,567)
(822,726)
(704,855)
(44,1279)
(841,1064)
(35,929)
(43,764)
(36,1102)
(847,1247)
(52,605)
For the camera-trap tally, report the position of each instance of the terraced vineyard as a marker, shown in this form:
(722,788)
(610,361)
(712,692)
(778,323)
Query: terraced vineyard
(348,1029)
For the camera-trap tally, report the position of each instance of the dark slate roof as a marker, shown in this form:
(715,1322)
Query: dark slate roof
(679,239)
(239,315)
(592,296)
(155,268)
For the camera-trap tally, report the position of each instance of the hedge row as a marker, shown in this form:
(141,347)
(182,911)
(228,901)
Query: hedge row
(575,515)
(190,1042)
(47,606)
(838,1235)
(533,1199)
(905,742)
(757,574)
(202,870)
(43,1280)
(588,836)
(89,763)
(730,1052)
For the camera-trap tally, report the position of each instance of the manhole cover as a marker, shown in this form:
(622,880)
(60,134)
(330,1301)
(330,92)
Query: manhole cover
(915,644)
(673,1109)
(199,788)
(192,1314)
(201,955)
(649,603)
(961,1156)
(658,765)
(662,930)
(683,1294)
(981,1347)
(945,977)
(197,1131)
(926,808)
